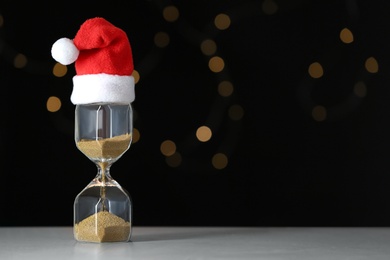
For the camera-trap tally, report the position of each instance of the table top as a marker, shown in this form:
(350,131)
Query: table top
(201,243)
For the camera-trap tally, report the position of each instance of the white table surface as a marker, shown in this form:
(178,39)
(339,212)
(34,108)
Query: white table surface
(56,243)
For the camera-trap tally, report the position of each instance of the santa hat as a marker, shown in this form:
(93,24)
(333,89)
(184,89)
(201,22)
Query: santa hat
(103,62)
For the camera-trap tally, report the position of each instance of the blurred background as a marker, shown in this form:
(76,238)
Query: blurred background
(247,113)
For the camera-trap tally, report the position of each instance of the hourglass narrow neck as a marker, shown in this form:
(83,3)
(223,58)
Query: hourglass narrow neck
(103,174)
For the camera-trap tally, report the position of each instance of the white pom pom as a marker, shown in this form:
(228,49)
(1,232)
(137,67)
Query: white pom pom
(64,51)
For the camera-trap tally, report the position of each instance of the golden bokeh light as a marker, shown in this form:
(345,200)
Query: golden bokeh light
(53,104)
(174,160)
(59,70)
(216,64)
(236,112)
(269,7)
(225,88)
(136,136)
(222,21)
(371,65)
(168,148)
(315,70)
(319,113)
(161,39)
(171,13)
(208,47)
(20,61)
(346,36)
(136,76)
(219,161)
(203,134)
(360,89)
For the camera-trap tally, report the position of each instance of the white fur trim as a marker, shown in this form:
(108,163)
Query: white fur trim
(64,51)
(102,88)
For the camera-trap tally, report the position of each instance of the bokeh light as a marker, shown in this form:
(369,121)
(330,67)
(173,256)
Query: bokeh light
(59,70)
(315,70)
(269,7)
(225,88)
(319,113)
(168,148)
(208,47)
(136,135)
(20,61)
(53,104)
(174,160)
(360,89)
(236,112)
(371,65)
(203,133)
(219,161)
(346,35)
(216,64)
(136,76)
(171,13)
(222,21)
(161,39)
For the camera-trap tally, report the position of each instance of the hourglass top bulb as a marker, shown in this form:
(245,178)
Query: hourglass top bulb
(103,62)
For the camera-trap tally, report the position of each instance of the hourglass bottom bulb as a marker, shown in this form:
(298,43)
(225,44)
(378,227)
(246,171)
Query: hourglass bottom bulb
(102,213)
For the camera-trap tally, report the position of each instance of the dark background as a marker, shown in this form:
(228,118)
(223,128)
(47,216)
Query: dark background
(285,168)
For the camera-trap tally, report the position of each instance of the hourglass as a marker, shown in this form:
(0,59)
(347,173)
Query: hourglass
(103,91)
(103,209)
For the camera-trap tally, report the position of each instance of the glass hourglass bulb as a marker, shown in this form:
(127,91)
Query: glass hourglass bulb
(103,209)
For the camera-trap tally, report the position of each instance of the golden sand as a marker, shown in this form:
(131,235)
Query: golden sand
(102,227)
(105,148)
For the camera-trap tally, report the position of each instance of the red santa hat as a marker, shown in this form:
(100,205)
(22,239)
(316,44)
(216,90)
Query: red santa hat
(103,62)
